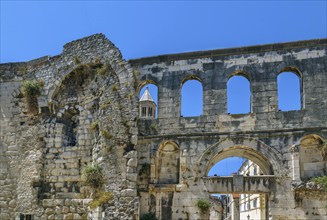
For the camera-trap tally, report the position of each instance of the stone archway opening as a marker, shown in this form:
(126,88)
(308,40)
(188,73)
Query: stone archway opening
(245,152)
(236,205)
(238,180)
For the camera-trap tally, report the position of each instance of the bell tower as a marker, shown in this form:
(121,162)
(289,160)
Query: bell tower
(147,107)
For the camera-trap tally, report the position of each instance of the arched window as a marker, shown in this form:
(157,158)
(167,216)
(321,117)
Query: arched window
(238,95)
(148,98)
(168,163)
(289,96)
(191,98)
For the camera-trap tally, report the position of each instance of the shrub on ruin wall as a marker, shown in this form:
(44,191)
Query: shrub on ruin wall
(31,89)
(94,126)
(106,134)
(321,181)
(100,198)
(203,205)
(92,175)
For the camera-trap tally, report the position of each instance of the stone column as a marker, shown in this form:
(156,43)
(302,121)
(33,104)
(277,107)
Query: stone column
(295,150)
(236,207)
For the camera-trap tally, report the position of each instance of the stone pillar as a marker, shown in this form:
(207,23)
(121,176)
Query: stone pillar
(236,207)
(295,150)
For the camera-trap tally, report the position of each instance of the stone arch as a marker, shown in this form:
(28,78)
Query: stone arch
(311,161)
(239,73)
(145,82)
(263,155)
(115,63)
(167,163)
(191,77)
(292,69)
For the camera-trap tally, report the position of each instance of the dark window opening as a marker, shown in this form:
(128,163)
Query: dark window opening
(25,217)
(143,111)
(150,111)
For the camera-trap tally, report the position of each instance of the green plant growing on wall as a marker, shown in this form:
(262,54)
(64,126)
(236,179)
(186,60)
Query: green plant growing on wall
(203,205)
(106,134)
(103,70)
(149,216)
(31,89)
(92,176)
(77,61)
(322,181)
(105,105)
(115,88)
(94,125)
(208,152)
(153,127)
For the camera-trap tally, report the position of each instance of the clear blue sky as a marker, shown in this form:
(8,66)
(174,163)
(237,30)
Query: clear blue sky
(32,29)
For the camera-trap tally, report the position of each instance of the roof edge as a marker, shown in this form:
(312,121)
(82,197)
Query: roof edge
(229,51)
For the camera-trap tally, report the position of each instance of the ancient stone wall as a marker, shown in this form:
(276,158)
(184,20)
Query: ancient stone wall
(87,112)
(265,135)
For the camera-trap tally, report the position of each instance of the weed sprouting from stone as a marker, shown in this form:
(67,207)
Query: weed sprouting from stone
(92,175)
(106,134)
(100,198)
(94,125)
(321,181)
(31,89)
(203,205)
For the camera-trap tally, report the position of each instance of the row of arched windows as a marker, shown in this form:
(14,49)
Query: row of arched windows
(238,94)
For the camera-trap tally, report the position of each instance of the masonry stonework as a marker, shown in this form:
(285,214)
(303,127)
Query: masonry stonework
(88,113)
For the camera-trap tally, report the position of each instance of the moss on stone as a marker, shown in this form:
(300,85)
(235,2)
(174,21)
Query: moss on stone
(99,199)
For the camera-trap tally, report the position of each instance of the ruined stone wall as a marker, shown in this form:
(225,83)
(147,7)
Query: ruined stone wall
(87,113)
(266,135)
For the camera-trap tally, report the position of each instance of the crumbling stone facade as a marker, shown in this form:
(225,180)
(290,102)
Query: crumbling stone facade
(88,112)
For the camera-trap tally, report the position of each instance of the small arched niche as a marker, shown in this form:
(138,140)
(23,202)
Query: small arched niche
(168,163)
(191,97)
(148,100)
(238,94)
(289,89)
(312,162)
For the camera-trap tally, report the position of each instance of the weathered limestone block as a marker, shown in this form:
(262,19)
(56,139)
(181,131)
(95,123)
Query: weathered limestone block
(77,216)
(128,193)
(49,211)
(48,202)
(132,162)
(69,216)
(4,216)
